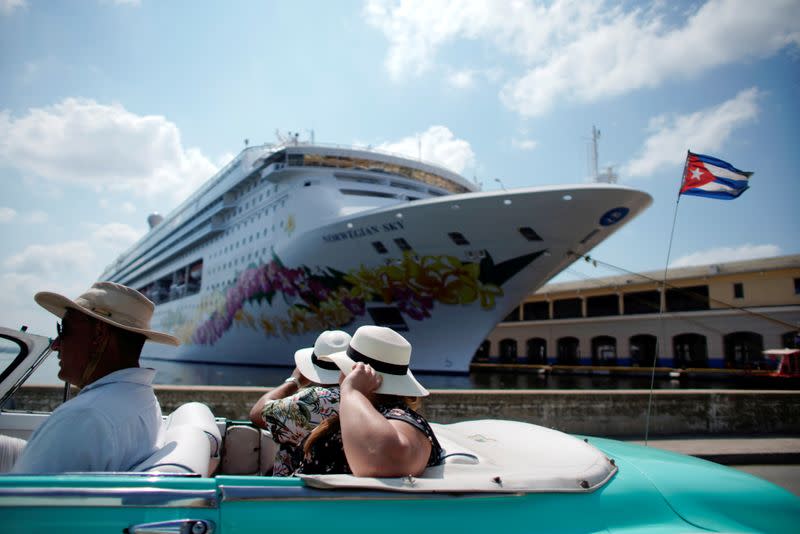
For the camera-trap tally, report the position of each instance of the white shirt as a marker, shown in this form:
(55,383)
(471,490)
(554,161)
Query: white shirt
(111,425)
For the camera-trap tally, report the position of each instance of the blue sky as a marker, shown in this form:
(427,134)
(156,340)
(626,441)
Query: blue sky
(111,110)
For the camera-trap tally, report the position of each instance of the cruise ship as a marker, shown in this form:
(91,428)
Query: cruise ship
(291,239)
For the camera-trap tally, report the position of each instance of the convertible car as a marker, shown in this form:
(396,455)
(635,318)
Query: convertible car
(211,475)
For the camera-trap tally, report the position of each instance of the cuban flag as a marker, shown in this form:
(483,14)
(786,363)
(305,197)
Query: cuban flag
(707,176)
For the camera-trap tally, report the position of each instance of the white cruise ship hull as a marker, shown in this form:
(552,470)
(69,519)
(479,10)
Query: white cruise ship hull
(469,260)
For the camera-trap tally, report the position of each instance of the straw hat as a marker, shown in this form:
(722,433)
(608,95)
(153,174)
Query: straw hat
(111,303)
(309,362)
(388,353)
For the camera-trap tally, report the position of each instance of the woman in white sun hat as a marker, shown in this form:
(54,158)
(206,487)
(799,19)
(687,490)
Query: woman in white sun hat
(295,408)
(377,432)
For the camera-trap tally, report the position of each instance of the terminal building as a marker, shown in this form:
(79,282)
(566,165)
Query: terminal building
(714,316)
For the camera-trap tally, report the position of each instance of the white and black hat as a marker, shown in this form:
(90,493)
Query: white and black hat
(308,359)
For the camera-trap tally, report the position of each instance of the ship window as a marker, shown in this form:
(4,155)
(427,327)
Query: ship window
(402,244)
(195,278)
(389,317)
(738,290)
(529,234)
(458,238)
(364,193)
(379,247)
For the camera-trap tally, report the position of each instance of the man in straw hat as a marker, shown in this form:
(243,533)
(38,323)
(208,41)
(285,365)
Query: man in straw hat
(295,408)
(113,423)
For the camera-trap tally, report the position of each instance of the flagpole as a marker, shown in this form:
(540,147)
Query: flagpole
(662,301)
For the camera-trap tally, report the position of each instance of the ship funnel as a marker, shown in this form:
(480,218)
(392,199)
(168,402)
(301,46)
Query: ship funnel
(154,219)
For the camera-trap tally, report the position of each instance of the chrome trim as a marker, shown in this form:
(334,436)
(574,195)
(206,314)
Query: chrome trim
(178,526)
(304,493)
(111,497)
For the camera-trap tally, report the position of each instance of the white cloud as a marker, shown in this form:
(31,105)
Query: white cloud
(727,254)
(584,51)
(524,144)
(103,147)
(53,260)
(463,79)
(116,235)
(7,214)
(437,145)
(128,207)
(703,131)
(36,217)
(8,6)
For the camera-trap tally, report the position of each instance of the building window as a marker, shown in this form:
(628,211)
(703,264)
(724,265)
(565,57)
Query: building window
(738,290)
(567,308)
(535,311)
(687,298)
(513,316)
(568,351)
(689,350)
(643,350)
(602,306)
(743,350)
(483,351)
(508,349)
(537,350)
(604,350)
(641,302)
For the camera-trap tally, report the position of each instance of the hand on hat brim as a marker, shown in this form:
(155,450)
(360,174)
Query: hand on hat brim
(401,385)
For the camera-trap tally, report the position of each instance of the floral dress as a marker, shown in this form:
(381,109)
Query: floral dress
(293,418)
(326,455)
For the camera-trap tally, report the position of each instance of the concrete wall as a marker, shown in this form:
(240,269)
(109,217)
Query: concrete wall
(619,413)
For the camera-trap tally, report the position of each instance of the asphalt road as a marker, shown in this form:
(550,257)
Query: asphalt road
(785,476)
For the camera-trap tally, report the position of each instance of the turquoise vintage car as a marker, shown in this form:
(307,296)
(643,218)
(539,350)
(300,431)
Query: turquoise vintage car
(499,475)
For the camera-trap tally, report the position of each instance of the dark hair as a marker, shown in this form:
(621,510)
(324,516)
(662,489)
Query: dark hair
(331,424)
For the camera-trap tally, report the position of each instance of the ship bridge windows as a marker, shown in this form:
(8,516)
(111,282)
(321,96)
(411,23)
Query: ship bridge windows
(380,247)
(529,233)
(178,284)
(402,244)
(367,193)
(458,238)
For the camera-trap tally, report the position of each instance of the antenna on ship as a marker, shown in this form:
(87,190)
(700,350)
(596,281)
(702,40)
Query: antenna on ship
(608,176)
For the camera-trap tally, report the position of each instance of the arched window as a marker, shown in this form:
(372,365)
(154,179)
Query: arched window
(743,350)
(483,351)
(790,340)
(690,350)
(642,350)
(508,349)
(537,350)
(568,351)
(604,350)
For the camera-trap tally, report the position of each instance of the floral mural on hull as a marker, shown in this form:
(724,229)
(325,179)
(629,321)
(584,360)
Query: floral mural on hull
(324,299)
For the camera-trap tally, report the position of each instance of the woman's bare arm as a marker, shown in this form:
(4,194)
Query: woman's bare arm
(279,392)
(376,446)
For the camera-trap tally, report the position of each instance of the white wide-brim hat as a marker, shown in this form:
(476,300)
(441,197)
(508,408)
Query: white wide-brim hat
(111,303)
(321,371)
(388,353)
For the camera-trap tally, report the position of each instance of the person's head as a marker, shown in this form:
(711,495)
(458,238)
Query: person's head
(101,331)
(388,353)
(312,367)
